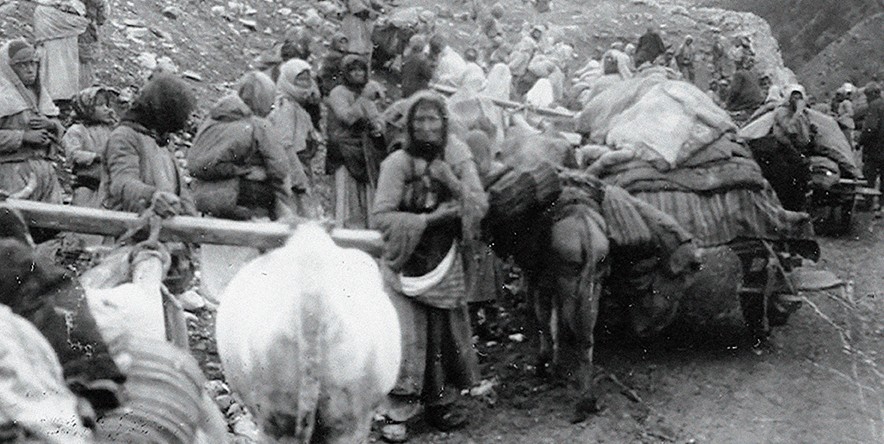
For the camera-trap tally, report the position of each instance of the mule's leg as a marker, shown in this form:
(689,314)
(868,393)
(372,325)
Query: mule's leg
(543,311)
(588,403)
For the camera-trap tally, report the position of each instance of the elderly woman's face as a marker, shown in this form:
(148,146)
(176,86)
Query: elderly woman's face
(26,71)
(427,124)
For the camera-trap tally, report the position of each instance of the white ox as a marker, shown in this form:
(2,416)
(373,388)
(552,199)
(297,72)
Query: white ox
(309,339)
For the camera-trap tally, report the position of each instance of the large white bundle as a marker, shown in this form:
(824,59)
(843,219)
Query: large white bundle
(32,391)
(306,333)
(500,79)
(450,69)
(664,121)
(135,307)
(541,94)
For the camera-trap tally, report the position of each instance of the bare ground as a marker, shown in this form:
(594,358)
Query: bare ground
(820,382)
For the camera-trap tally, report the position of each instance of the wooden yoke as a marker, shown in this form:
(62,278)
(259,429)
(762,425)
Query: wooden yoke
(198,230)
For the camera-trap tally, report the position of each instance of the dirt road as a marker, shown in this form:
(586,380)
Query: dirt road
(821,382)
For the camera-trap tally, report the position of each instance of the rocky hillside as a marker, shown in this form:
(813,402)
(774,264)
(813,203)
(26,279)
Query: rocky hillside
(857,57)
(805,27)
(214,41)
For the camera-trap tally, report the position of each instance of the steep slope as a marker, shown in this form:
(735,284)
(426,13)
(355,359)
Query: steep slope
(857,57)
(805,27)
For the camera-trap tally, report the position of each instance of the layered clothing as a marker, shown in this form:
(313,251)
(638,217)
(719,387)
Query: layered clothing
(228,146)
(358,25)
(84,144)
(354,153)
(57,26)
(22,163)
(139,163)
(291,124)
(424,266)
(684,59)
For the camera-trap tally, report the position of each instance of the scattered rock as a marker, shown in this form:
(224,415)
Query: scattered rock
(517,337)
(137,33)
(224,401)
(285,12)
(216,388)
(134,23)
(218,10)
(172,12)
(161,34)
(250,24)
(245,426)
(192,76)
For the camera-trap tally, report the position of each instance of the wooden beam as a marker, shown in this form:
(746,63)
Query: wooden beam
(509,103)
(200,230)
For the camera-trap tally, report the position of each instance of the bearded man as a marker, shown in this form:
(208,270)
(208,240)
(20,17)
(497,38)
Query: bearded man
(429,201)
(28,135)
(355,144)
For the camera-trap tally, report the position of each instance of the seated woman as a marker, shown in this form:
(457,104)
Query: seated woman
(241,172)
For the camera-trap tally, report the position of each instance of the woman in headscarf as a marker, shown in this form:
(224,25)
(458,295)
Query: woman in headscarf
(86,140)
(355,144)
(240,171)
(429,200)
(293,128)
(330,69)
(28,134)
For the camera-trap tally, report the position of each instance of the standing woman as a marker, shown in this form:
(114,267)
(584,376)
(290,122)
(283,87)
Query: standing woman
(355,144)
(293,128)
(28,130)
(429,201)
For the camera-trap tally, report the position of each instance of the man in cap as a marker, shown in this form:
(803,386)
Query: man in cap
(29,137)
(872,139)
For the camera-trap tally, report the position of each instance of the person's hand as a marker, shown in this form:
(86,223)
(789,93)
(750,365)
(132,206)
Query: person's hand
(256,174)
(38,123)
(166,204)
(446,211)
(39,137)
(442,172)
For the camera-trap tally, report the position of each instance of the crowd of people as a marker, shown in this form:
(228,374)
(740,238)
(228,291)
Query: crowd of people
(252,156)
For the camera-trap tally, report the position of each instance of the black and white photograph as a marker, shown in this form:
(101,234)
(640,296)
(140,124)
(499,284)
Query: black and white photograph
(441,222)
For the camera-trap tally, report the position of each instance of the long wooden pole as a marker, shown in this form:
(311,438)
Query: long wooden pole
(263,235)
(508,103)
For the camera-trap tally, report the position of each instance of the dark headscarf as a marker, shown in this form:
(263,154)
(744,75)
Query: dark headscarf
(164,105)
(421,149)
(347,63)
